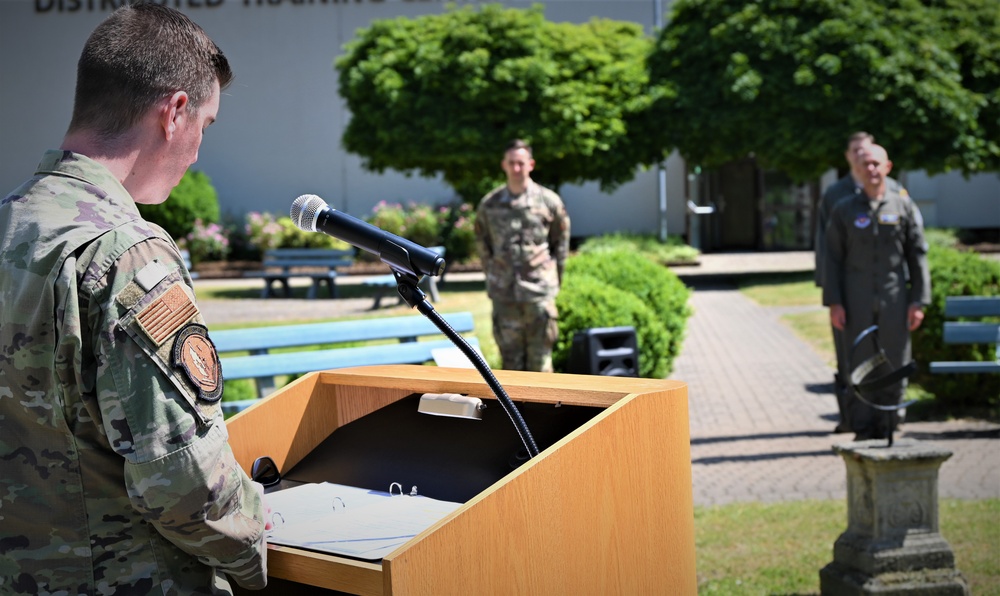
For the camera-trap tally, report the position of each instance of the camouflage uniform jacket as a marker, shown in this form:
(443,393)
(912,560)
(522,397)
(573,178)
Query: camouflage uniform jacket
(523,242)
(116,474)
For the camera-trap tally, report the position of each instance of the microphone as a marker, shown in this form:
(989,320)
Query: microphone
(312,214)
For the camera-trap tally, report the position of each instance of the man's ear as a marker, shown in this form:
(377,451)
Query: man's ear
(173,109)
(888,167)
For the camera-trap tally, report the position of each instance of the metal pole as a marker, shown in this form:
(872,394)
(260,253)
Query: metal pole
(662,178)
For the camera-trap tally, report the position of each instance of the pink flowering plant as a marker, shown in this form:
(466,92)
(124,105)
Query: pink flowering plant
(207,242)
(422,225)
(458,231)
(263,230)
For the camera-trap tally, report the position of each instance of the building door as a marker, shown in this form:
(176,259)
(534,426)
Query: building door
(735,192)
(751,209)
(787,213)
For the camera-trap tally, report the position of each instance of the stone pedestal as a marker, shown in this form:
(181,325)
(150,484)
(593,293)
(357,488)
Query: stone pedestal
(892,544)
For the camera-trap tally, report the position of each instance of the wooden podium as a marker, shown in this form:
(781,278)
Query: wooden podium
(607,509)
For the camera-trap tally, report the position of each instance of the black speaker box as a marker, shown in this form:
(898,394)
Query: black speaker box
(606,351)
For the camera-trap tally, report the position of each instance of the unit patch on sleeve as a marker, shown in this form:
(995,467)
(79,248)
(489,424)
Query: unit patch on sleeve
(195,354)
(163,316)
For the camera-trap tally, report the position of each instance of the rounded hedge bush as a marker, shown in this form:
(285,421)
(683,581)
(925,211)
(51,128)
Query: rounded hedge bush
(956,273)
(192,199)
(653,284)
(585,302)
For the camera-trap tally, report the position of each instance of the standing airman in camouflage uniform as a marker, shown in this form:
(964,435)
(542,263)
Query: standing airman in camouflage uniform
(522,233)
(876,273)
(116,476)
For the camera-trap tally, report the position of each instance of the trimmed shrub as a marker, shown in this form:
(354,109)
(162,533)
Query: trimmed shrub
(956,273)
(654,285)
(294,237)
(458,232)
(674,250)
(586,302)
(194,198)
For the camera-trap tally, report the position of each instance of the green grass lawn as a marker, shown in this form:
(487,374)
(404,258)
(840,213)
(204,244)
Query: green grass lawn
(779,548)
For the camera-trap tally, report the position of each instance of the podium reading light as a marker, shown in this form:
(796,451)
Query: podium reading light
(409,262)
(451,405)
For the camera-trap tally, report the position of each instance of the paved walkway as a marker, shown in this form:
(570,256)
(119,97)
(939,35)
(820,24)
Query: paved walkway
(762,409)
(760,399)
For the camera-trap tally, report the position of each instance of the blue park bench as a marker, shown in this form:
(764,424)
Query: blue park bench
(964,332)
(186,255)
(263,366)
(318,264)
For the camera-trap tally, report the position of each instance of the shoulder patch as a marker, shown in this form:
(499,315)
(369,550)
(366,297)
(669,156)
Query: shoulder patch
(195,354)
(165,315)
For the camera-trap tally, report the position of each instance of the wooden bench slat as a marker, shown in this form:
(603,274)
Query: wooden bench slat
(278,262)
(965,367)
(293,253)
(286,263)
(271,275)
(284,336)
(972,306)
(971,333)
(263,366)
(964,332)
(244,367)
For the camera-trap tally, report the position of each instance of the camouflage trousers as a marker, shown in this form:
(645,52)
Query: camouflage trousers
(525,333)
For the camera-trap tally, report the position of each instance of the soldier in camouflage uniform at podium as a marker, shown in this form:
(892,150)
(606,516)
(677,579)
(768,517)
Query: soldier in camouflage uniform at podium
(116,474)
(522,232)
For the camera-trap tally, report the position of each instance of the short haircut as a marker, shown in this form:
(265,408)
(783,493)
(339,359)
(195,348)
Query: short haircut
(859,136)
(518,144)
(140,54)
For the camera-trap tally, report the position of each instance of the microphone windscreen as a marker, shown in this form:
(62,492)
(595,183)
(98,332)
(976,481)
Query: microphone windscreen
(304,211)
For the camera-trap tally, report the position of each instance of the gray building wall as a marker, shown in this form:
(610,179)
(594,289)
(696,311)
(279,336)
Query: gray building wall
(954,201)
(278,134)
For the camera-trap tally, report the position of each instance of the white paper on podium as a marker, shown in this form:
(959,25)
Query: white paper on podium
(350,521)
(453,357)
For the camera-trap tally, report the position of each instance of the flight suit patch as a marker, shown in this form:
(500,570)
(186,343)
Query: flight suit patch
(891,219)
(862,222)
(165,315)
(195,354)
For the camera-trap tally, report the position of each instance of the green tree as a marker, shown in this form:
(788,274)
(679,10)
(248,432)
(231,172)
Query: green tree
(194,198)
(789,80)
(442,94)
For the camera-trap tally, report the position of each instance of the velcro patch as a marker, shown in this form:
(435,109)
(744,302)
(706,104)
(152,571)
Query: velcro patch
(150,275)
(166,314)
(195,354)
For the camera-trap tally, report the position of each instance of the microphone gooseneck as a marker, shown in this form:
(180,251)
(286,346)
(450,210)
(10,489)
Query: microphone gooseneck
(409,261)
